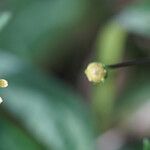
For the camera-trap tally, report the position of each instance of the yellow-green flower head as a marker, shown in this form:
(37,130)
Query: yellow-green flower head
(3,84)
(96,72)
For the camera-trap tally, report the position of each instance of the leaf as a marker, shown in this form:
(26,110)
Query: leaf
(47,108)
(136,18)
(146,144)
(11,137)
(110,45)
(4,19)
(39,29)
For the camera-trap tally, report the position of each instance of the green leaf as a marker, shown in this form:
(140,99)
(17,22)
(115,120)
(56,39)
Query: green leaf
(136,18)
(146,144)
(47,108)
(110,46)
(4,19)
(39,29)
(12,137)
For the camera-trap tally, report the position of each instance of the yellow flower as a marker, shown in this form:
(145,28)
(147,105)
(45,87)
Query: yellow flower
(3,84)
(96,72)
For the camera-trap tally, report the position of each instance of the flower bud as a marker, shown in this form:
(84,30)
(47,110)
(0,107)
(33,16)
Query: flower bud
(3,83)
(96,72)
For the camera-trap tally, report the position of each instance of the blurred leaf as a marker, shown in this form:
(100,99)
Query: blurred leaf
(134,145)
(136,17)
(4,19)
(14,138)
(41,29)
(48,109)
(146,144)
(110,46)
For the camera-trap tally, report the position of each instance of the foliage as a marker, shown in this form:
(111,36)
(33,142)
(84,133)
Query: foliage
(44,45)
(146,144)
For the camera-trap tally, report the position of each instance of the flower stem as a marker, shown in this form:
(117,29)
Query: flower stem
(129,63)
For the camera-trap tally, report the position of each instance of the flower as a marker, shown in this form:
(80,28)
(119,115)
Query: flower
(3,84)
(96,72)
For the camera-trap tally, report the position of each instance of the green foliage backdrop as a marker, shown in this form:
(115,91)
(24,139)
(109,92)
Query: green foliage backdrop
(45,46)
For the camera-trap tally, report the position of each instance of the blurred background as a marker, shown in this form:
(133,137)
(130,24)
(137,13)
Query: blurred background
(45,46)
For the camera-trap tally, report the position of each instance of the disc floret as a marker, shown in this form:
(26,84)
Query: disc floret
(3,84)
(96,72)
